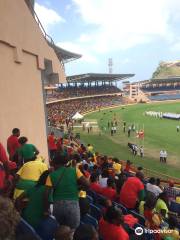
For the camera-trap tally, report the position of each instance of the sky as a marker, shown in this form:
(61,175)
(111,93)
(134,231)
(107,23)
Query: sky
(136,34)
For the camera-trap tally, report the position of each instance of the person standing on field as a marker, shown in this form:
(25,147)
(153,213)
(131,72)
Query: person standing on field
(164,156)
(141,149)
(161,156)
(177,128)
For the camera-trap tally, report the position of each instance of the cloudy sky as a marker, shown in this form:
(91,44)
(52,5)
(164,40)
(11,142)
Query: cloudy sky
(136,34)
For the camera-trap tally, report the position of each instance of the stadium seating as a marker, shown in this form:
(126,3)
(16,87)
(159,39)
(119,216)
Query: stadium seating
(95,212)
(25,230)
(88,219)
(79,91)
(138,216)
(123,208)
(162,97)
(175,207)
(160,88)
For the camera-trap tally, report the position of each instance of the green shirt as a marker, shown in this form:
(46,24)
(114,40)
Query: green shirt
(67,189)
(33,213)
(27,151)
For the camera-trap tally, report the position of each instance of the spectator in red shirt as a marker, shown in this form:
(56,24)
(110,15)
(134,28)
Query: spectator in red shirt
(3,156)
(59,143)
(52,145)
(110,227)
(132,191)
(128,166)
(82,149)
(70,149)
(8,165)
(110,191)
(2,177)
(5,167)
(86,171)
(12,143)
(95,186)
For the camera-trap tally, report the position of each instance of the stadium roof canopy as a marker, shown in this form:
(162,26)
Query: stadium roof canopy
(64,55)
(163,80)
(94,77)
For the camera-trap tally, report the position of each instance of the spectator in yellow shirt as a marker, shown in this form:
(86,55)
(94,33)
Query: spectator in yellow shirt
(28,175)
(117,166)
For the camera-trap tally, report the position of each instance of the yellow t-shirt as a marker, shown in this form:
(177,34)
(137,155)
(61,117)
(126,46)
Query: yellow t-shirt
(32,170)
(117,168)
(178,200)
(90,148)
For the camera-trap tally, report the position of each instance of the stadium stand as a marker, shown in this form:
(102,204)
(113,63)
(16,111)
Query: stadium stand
(90,84)
(161,89)
(163,97)
(59,112)
(74,177)
(71,92)
(64,197)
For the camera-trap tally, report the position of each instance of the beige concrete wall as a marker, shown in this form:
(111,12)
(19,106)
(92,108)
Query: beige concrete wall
(19,29)
(22,53)
(21,100)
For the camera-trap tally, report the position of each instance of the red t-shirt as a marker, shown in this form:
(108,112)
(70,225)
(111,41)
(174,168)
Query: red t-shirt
(70,150)
(51,143)
(110,231)
(109,193)
(87,174)
(96,187)
(59,143)
(3,156)
(12,145)
(127,168)
(129,192)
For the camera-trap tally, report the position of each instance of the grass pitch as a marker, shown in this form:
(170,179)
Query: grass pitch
(159,134)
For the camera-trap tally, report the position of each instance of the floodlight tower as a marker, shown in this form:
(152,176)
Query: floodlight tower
(110,65)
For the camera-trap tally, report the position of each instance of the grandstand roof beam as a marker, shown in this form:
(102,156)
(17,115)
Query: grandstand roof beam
(92,77)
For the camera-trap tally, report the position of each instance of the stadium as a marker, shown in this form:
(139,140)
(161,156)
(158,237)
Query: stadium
(86,156)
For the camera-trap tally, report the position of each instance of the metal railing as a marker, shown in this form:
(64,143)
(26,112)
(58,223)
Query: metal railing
(46,36)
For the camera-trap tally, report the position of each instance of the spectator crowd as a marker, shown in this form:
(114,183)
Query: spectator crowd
(79,91)
(59,112)
(80,195)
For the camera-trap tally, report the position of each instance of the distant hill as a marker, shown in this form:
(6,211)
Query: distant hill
(167,69)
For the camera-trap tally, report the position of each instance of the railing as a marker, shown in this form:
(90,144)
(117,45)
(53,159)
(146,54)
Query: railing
(46,36)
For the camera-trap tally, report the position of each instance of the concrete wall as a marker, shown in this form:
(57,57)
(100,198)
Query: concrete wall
(23,50)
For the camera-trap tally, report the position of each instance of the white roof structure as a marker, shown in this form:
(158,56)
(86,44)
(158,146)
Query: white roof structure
(77,116)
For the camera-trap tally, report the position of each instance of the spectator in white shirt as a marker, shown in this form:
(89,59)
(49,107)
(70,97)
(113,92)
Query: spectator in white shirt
(103,178)
(152,187)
